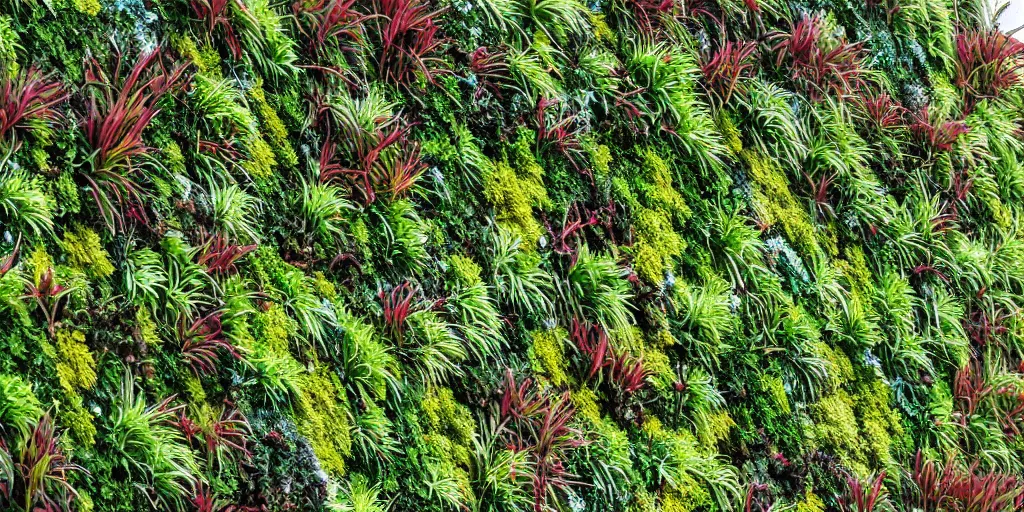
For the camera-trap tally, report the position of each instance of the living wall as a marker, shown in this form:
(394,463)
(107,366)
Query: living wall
(499,255)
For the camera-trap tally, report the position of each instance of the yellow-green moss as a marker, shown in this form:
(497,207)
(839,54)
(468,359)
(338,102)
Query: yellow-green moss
(324,287)
(775,203)
(464,270)
(274,129)
(273,328)
(514,192)
(730,133)
(146,326)
(76,368)
(79,421)
(860,428)
(777,390)
(657,189)
(687,496)
(444,415)
(657,244)
(89,7)
(716,429)
(547,355)
(810,503)
(206,60)
(601,159)
(322,420)
(584,400)
(879,424)
(85,252)
(262,159)
(835,426)
(39,262)
(840,369)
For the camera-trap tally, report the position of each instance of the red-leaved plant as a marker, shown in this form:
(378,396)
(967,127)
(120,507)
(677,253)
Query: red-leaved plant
(37,480)
(821,71)
(387,162)
(626,372)
(951,487)
(27,98)
(216,15)
(409,41)
(539,424)
(727,66)
(936,133)
(203,342)
(120,109)
(988,63)
(219,256)
(329,24)
(397,306)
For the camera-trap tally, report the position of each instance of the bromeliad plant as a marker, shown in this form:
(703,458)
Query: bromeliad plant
(120,108)
(28,102)
(409,41)
(203,342)
(539,424)
(38,478)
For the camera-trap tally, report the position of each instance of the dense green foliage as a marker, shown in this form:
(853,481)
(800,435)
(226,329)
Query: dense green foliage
(500,255)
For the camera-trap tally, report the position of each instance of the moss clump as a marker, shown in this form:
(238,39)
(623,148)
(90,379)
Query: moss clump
(76,368)
(773,385)
(880,425)
(859,428)
(89,7)
(64,194)
(547,355)
(515,187)
(514,198)
(78,420)
(657,245)
(465,271)
(85,252)
(446,416)
(601,159)
(775,203)
(274,129)
(323,421)
(262,159)
(146,327)
(273,328)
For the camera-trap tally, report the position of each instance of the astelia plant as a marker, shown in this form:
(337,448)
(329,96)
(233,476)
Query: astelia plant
(330,24)
(988,62)
(202,343)
(725,69)
(883,111)
(27,98)
(564,240)
(223,435)
(820,71)
(387,162)
(409,41)
(626,373)
(540,424)
(119,109)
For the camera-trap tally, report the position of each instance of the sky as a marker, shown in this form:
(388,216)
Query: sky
(1013,17)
